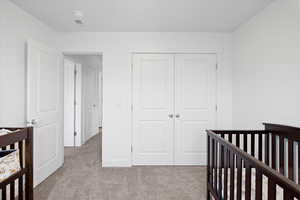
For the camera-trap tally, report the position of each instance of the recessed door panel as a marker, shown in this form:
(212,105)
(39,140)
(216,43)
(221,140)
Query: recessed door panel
(195,102)
(153,102)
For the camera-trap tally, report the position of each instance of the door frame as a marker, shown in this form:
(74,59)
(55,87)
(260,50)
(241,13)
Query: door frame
(218,54)
(100,79)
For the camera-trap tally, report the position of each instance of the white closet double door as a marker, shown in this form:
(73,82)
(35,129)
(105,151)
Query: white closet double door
(174,99)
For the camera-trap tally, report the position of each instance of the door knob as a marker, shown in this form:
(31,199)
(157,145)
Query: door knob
(170,115)
(177,116)
(32,122)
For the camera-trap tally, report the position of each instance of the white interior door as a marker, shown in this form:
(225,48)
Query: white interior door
(153,106)
(45,108)
(92,102)
(195,101)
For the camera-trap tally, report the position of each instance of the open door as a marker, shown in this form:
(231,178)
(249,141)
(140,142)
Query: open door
(45,108)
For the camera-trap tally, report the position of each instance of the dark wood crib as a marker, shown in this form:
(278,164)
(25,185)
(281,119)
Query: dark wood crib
(19,185)
(254,164)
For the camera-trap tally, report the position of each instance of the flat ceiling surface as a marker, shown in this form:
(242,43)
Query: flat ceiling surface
(145,15)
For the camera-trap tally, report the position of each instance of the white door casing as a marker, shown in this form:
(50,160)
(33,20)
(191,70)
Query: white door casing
(78,104)
(72,103)
(195,101)
(153,104)
(45,108)
(69,105)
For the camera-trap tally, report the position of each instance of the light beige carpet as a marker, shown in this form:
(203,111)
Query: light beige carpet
(83,178)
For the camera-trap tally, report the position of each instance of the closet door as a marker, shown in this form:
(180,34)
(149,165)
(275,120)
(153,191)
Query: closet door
(195,100)
(153,108)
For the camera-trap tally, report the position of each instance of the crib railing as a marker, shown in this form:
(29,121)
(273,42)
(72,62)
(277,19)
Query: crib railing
(22,139)
(232,154)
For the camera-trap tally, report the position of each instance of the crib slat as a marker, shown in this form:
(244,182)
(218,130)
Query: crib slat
(212,162)
(245,136)
(230,138)
(20,180)
(267,149)
(239,177)
(220,169)
(274,151)
(291,159)
(4,193)
(232,169)
(248,182)
(4,189)
(226,157)
(208,166)
(216,166)
(258,185)
(281,155)
(260,147)
(20,186)
(287,195)
(237,140)
(252,145)
(271,190)
(298,163)
(12,184)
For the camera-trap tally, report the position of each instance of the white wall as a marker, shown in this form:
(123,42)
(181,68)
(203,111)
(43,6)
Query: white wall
(266,83)
(16,26)
(116,49)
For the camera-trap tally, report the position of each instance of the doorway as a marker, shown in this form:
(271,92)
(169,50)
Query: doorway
(174,102)
(82,101)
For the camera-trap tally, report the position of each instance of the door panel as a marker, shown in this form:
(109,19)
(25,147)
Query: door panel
(92,102)
(195,78)
(153,100)
(45,108)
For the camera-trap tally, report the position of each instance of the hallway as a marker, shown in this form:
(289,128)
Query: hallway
(82,178)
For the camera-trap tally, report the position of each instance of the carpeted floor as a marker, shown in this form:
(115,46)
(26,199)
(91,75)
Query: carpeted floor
(83,178)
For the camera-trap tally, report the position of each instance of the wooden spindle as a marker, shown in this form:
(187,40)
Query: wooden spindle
(258,185)
(232,171)
(260,147)
(12,184)
(239,177)
(245,136)
(237,140)
(271,190)
(267,149)
(226,161)
(248,182)
(281,155)
(220,169)
(253,145)
(274,151)
(291,159)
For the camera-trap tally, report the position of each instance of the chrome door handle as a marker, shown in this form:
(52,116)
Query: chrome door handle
(171,115)
(32,122)
(177,115)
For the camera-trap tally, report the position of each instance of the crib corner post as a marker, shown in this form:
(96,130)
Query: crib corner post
(208,168)
(29,165)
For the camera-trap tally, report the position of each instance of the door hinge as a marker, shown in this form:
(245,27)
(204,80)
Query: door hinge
(131,149)
(216,107)
(217,66)
(75,133)
(75,72)
(131,107)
